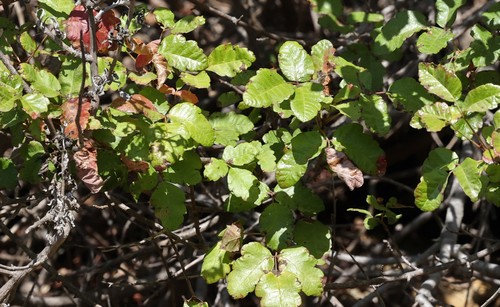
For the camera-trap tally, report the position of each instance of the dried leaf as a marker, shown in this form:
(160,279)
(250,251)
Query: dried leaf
(327,70)
(69,112)
(86,166)
(344,168)
(161,67)
(232,238)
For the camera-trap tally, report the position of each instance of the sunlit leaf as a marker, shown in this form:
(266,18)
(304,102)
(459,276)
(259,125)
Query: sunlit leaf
(432,41)
(215,264)
(228,60)
(482,98)
(298,261)
(240,181)
(439,81)
(248,269)
(265,88)
(446,11)
(468,174)
(187,24)
(196,123)
(181,54)
(306,102)
(294,62)
(215,169)
(279,290)
(410,94)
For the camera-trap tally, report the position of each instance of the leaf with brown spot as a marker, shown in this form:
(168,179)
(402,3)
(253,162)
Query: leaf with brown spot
(68,117)
(344,168)
(86,166)
(136,104)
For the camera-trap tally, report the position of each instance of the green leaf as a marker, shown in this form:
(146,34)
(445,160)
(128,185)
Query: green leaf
(439,81)
(57,8)
(46,84)
(146,181)
(192,119)
(318,53)
(432,41)
(168,202)
(229,126)
(34,104)
(314,236)
(446,11)
(410,94)
(8,174)
(282,290)
(70,77)
(485,48)
(435,117)
(298,261)
(307,145)
(266,159)
(242,154)
(358,146)
(360,17)
(403,25)
(491,18)
(240,181)
(248,269)
(435,172)
(215,170)
(276,221)
(185,171)
(265,88)
(165,17)
(466,127)
(299,197)
(348,92)
(194,302)
(8,95)
(187,24)
(229,60)
(215,265)
(468,174)
(294,62)
(374,112)
(181,54)
(27,42)
(289,171)
(279,290)
(201,80)
(257,194)
(306,102)
(351,73)
(481,99)
(143,79)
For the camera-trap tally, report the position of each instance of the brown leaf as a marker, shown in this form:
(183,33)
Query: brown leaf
(344,168)
(161,67)
(183,94)
(232,238)
(136,104)
(86,166)
(68,117)
(327,69)
(136,166)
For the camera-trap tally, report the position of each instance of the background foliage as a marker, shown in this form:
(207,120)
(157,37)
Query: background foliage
(310,152)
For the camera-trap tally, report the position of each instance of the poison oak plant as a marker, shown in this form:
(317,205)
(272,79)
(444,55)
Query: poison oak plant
(154,138)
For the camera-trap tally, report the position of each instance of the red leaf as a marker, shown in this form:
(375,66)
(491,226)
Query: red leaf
(184,94)
(78,23)
(381,165)
(86,166)
(69,112)
(344,168)
(136,104)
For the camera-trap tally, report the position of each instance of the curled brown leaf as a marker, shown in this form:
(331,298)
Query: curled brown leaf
(340,164)
(86,166)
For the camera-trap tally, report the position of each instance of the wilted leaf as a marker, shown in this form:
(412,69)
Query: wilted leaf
(69,112)
(86,166)
(344,168)
(232,238)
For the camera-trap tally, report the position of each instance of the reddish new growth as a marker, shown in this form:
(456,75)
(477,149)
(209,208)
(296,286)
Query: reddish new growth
(77,24)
